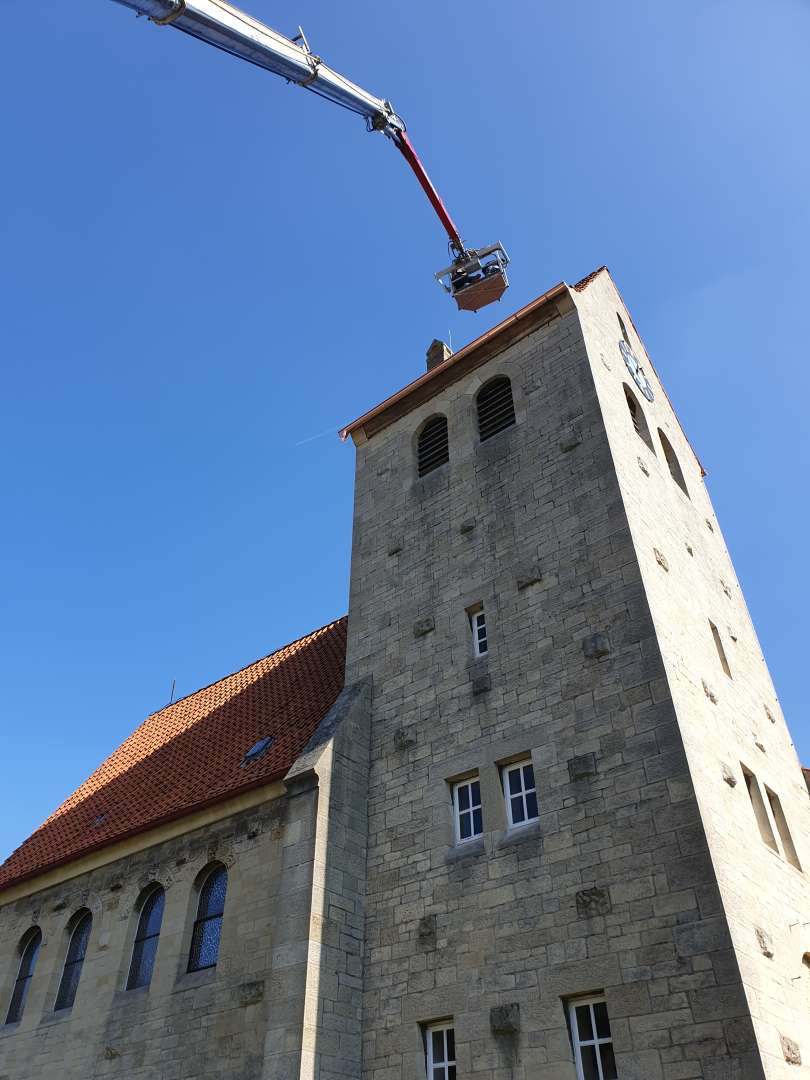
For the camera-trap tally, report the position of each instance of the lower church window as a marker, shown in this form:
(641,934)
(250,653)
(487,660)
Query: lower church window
(593,1043)
(440,1051)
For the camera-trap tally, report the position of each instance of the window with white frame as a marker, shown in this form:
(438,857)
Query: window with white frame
(440,1051)
(478,628)
(467,812)
(593,1044)
(520,793)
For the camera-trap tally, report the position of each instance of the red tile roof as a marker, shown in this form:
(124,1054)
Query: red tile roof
(188,755)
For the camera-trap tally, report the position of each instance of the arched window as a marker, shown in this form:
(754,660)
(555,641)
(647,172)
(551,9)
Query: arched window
(496,409)
(638,417)
(146,938)
(28,950)
(432,446)
(673,463)
(208,924)
(623,328)
(77,949)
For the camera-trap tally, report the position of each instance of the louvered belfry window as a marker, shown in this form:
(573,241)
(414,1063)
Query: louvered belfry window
(433,448)
(496,409)
(208,925)
(146,940)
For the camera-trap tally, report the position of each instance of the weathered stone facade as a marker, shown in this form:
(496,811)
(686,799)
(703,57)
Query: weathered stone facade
(643,876)
(354,917)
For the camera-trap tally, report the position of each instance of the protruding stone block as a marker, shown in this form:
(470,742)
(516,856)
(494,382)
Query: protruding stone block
(592,902)
(764,942)
(528,575)
(582,767)
(596,645)
(728,775)
(571,440)
(505,1019)
(790,1050)
(405,737)
(661,560)
(424,626)
(481,684)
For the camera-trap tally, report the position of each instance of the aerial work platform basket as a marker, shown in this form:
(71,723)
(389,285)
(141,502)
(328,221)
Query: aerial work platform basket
(476,278)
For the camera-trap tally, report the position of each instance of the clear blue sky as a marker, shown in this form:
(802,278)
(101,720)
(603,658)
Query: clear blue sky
(203,268)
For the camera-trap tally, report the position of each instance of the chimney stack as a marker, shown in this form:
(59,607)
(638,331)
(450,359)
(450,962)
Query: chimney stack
(437,353)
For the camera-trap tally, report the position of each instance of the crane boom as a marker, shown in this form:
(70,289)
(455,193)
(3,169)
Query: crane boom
(470,279)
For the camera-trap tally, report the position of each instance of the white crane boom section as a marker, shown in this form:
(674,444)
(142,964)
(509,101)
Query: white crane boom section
(238,33)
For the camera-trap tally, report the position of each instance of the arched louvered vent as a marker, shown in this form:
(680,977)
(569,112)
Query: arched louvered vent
(433,448)
(637,416)
(675,470)
(496,409)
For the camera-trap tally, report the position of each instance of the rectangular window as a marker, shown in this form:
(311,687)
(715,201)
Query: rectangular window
(721,652)
(467,810)
(440,1051)
(778,813)
(520,793)
(760,813)
(478,628)
(593,1044)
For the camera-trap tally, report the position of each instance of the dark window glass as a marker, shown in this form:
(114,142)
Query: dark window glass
(590,1070)
(496,409)
(146,940)
(608,1062)
(601,1016)
(531,805)
(432,447)
(30,949)
(77,950)
(208,924)
(584,1022)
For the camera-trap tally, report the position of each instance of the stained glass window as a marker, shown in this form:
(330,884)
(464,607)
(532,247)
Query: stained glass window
(146,939)
(208,924)
(29,949)
(77,950)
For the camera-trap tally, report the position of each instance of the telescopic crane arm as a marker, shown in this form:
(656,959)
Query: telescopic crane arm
(475,277)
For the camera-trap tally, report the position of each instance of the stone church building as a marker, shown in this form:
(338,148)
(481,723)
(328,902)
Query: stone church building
(530,812)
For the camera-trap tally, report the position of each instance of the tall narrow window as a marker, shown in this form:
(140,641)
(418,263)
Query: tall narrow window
(673,464)
(28,950)
(146,939)
(623,328)
(637,416)
(467,811)
(440,1051)
(520,793)
(788,848)
(496,409)
(760,813)
(432,445)
(208,924)
(77,950)
(478,629)
(593,1043)
(721,652)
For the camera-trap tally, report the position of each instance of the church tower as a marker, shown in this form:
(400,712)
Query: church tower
(588,830)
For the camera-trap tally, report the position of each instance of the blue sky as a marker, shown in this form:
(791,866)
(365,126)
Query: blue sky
(206,272)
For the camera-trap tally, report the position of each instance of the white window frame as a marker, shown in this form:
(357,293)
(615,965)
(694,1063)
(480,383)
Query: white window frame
(518,766)
(478,630)
(446,1065)
(457,811)
(597,1041)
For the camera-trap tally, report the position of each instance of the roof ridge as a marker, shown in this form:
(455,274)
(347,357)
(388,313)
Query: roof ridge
(244,667)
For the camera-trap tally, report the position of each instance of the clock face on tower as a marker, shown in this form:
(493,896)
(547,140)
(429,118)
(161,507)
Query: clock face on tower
(636,370)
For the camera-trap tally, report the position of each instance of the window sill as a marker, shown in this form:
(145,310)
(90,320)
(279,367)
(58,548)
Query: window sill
(519,834)
(9,1029)
(135,994)
(190,980)
(58,1016)
(467,849)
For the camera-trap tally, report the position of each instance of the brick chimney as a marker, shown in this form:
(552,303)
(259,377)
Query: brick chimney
(437,352)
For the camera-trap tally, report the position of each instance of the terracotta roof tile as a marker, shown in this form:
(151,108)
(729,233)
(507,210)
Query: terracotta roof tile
(188,755)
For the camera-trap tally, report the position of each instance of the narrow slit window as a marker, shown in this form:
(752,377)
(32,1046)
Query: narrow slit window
(29,950)
(440,1051)
(520,793)
(760,813)
(146,939)
(432,446)
(637,417)
(207,930)
(593,1042)
(673,464)
(496,408)
(478,629)
(788,847)
(721,652)
(467,810)
(623,328)
(74,962)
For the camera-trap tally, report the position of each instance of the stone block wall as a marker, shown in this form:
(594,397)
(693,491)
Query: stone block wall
(613,889)
(728,721)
